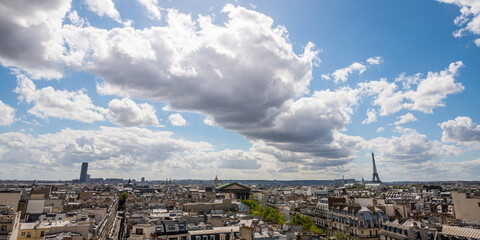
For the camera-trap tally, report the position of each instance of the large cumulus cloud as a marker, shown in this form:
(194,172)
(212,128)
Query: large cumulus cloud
(460,130)
(243,76)
(30,36)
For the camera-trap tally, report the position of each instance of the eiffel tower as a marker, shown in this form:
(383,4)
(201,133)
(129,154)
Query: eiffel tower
(375,178)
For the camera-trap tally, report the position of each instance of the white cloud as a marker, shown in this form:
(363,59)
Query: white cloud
(253,83)
(440,170)
(209,121)
(325,77)
(374,60)
(410,147)
(310,126)
(246,77)
(430,92)
(371,116)
(77,20)
(408,81)
(127,113)
(249,84)
(405,119)
(386,95)
(341,75)
(152,8)
(177,120)
(460,130)
(62,104)
(380,129)
(104,8)
(7,114)
(107,149)
(469,19)
(236,159)
(29,36)
(461,170)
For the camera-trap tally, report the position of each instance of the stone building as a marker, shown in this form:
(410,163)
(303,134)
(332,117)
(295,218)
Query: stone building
(356,222)
(234,190)
(466,206)
(408,230)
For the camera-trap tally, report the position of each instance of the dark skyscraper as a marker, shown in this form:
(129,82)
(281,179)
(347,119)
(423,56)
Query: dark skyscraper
(83,173)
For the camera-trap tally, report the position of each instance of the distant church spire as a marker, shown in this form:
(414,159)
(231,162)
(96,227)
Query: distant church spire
(375,178)
(215,182)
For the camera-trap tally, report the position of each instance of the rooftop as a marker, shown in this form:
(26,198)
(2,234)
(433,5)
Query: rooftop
(461,232)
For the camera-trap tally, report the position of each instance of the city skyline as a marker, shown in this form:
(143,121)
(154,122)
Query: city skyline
(240,89)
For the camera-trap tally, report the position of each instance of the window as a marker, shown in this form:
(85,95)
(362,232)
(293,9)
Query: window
(139,231)
(429,236)
(205,237)
(29,234)
(4,227)
(171,227)
(212,237)
(23,234)
(197,238)
(42,233)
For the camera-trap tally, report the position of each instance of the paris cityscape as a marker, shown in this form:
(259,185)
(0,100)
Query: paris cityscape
(239,120)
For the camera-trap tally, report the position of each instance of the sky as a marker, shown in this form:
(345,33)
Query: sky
(269,89)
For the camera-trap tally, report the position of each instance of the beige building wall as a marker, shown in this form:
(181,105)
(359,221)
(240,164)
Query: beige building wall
(10,199)
(9,225)
(77,228)
(32,234)
(141,231)
(466,207)
(37,196)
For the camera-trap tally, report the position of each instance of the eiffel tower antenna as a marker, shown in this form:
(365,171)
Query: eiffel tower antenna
(375,178)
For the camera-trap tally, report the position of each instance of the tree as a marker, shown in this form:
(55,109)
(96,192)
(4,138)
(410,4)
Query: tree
(306,223)
(340,236)
(122,202)
(269,213)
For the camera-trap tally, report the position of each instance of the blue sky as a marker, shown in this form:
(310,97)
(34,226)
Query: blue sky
(240,89)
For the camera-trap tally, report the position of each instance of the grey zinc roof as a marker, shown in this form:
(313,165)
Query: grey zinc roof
(461,232)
